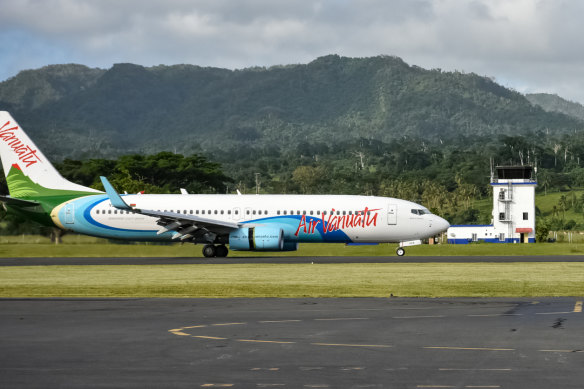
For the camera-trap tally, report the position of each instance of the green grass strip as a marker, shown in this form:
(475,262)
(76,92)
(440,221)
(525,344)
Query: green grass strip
(84,249)
(297,280)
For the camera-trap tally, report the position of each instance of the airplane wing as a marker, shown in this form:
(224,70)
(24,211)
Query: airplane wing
(184,226)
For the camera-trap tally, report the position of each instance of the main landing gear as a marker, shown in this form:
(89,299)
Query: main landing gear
(210,251)
(400,251)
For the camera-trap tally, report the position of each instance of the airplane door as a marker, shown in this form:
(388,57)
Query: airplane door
(392,214)
(70,213)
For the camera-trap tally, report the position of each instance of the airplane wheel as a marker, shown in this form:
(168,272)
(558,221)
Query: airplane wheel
(400,251)
(221,251)
(209,251)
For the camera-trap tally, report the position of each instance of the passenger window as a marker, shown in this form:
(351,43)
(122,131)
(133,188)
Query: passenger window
(338,212)
(215,212)
(221,212)
(311,213)
(344,213)
(285,212)
(203,212)
(229,211)
(277,212)
(254,212)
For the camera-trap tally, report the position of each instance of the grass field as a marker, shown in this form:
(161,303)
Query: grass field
(80,246)
(511,279)
(296,280)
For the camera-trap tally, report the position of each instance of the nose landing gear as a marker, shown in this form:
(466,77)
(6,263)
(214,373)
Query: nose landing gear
(400,251)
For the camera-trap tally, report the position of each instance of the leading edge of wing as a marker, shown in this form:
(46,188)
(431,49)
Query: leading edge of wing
(119,203)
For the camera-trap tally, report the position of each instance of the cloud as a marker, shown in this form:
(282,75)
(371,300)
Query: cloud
(532,45)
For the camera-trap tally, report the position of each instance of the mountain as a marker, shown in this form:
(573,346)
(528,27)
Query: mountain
(75,111)
(554,103)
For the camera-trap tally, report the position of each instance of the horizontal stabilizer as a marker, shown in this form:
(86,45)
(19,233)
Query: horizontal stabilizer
(18,202)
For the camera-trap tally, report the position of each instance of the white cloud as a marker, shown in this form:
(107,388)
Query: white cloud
(531,44)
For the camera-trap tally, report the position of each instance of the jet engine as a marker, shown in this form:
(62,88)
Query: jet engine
(263,238)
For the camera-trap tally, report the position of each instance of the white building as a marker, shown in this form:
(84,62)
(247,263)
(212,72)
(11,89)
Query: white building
(513,210)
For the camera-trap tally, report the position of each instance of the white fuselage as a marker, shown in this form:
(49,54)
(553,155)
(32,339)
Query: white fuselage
(303,218)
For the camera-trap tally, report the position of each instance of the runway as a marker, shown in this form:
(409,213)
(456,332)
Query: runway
(292,343)
(48,261)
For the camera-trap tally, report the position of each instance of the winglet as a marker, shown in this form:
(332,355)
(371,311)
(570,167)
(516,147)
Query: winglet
(114,197)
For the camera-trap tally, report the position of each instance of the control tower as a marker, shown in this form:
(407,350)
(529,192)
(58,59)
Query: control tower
(513,216)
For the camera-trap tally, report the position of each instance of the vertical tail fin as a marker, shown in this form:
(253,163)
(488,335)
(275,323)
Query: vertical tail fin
(29,173)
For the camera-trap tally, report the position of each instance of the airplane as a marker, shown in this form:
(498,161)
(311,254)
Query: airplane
(243,222)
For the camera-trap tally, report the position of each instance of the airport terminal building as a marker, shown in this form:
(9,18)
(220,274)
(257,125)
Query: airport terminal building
(513,217)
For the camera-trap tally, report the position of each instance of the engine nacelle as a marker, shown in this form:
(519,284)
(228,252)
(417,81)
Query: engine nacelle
(263,238)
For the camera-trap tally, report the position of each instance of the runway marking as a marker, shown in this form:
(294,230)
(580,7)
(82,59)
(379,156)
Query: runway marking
(562,351)
(264,341)
(227,324)
(269,385)
(351,345)
(278,321)
(450,386)
(469,348)
(417,317)
(578,307)
(496,315)
(352,368)
(343,318)
(264,369)
(216,385)
(208,337)
(552,313)
(454,369)
(179,333)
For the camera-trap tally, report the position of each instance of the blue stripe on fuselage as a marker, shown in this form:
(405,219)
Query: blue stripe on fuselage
(313,229)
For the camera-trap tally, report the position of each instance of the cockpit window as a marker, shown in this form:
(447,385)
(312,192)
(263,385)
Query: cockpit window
(420,211)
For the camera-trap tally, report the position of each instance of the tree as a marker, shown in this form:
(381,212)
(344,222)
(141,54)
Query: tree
(542,229)
(308,178)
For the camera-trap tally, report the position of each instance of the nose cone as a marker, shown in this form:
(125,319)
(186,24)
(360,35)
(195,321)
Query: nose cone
(439,225)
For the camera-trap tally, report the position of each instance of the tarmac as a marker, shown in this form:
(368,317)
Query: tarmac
(289,343)
(62,261)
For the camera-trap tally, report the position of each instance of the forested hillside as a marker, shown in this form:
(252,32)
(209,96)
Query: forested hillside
(554,103)
(71,110)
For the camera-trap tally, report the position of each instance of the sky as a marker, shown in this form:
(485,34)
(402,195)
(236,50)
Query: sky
(528,45)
